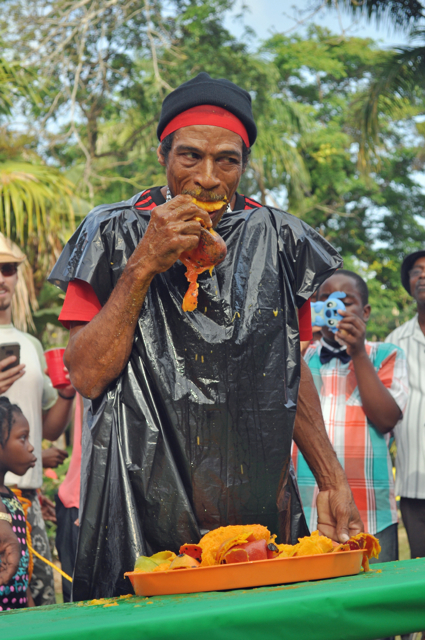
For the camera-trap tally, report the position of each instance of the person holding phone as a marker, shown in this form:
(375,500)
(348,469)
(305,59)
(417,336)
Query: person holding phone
(23,381)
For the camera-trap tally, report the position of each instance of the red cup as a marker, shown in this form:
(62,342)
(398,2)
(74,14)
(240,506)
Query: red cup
(55,367)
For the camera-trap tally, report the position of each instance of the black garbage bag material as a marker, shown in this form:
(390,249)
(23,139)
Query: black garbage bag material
(196,432)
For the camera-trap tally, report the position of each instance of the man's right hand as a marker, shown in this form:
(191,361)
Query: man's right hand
(10,552)
(7,378)
(98,351)
(172,230)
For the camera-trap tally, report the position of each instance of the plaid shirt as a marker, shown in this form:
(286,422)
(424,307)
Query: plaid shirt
(361,449)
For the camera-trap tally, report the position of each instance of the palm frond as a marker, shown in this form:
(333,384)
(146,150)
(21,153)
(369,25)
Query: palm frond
(34,199)
(15,81)
(398,12)
(398,85)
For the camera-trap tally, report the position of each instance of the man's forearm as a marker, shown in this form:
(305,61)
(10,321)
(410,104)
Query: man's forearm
(57,418)
(310,435)
(377,402)
(98,351)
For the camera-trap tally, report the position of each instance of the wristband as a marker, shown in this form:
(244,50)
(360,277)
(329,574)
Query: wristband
(7,517)
(66,397)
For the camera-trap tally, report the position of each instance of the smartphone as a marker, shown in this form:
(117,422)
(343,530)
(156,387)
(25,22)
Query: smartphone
(10,349)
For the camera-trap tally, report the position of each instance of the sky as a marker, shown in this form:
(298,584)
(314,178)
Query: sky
(271,16)
(268,16)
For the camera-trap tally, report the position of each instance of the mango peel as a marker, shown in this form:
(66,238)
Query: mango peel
(146,563)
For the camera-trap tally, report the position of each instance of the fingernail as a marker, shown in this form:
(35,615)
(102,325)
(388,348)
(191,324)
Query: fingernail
(344,538)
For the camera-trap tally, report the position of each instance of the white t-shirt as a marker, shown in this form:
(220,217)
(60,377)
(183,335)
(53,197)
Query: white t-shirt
(410,434)
(33,393)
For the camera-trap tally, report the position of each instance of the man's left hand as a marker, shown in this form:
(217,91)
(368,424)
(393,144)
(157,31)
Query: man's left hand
(337,515)
(352,332)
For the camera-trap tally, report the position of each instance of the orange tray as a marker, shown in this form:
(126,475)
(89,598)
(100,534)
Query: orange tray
(241,575)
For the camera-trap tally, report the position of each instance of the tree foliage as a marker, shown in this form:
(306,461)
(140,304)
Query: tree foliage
(36,202)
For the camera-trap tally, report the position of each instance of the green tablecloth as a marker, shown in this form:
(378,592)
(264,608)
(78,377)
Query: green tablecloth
(389,600)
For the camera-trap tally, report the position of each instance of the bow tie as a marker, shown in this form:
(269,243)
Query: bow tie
(326,355)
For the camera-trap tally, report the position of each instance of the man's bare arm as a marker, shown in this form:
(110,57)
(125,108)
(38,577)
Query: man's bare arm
(338,517)
(377,402)
(98,351)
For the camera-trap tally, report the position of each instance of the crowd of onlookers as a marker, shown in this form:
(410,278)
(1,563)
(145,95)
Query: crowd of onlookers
(370,392)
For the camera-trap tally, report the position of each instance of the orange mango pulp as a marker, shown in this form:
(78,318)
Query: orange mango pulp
(231,544)
(211,250)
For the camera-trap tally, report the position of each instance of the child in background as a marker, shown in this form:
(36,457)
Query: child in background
(16,455)
(363,391)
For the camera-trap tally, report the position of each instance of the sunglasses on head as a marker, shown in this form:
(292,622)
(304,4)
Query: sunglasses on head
(8,268)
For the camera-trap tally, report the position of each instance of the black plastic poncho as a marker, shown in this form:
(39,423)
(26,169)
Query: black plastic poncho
(196,432)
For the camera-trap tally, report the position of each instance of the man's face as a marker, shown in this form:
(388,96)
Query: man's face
(7,288)
(352,300)
(417,280)
(206,162)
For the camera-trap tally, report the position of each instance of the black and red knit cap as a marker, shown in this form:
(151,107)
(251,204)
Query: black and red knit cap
(204,90)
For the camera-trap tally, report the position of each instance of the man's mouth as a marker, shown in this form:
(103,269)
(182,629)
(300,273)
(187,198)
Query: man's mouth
(210,206)
(206,197)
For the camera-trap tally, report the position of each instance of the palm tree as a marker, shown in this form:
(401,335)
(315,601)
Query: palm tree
(36,200)
(36,208)
(399,12)
(396,90)
(275,159)
(400,79)
(36,205)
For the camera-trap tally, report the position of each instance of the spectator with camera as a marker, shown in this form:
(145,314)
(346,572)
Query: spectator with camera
(363,393)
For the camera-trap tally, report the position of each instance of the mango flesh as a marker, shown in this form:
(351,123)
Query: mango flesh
(145,563)
(209,206)
(183,561)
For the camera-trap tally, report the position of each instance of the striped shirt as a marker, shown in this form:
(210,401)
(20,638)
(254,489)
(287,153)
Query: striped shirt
(410,435)
(361,449)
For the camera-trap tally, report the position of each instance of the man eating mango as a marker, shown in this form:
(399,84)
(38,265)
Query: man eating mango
(192,413)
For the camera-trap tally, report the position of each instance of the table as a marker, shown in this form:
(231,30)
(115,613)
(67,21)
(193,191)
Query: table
(387,601)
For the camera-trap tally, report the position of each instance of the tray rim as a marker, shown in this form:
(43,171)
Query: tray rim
(246,575)
(250,562)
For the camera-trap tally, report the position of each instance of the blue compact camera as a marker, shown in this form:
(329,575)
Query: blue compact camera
(326,313)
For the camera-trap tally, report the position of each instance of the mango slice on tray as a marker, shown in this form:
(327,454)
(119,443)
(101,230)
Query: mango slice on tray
(145,563)
(183,561)
(248,552)
(365,541)
(211,541)
(192,550)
